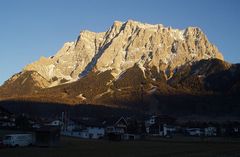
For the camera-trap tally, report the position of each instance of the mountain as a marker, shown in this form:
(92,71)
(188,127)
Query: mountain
(133,65)
(122,46)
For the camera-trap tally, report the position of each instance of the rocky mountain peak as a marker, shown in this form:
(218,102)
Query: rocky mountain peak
(121,47)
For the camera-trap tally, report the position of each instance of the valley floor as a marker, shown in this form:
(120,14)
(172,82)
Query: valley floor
(71,147)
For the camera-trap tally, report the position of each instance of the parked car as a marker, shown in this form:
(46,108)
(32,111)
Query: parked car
(15,140)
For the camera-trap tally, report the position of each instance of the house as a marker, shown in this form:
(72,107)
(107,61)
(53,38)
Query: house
(198,128)
(70,125)
(7,123)
(194,131)
(235,129)
(85,128)
(210,131)
(151,121)
(90,132)
(231,129)
(115,129)
(169,130)
(36,126)
(161,130)
(124,129)
(160,125)
(55,123)
(135,126)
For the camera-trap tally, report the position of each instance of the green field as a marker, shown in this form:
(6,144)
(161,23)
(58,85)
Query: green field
(70,147)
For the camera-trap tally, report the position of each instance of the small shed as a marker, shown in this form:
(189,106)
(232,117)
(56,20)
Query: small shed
(47,136)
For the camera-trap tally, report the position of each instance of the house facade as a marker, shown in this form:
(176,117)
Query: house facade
(160,125)
(86,129)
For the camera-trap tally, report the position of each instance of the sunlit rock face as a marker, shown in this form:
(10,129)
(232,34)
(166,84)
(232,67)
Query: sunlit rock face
(122,46)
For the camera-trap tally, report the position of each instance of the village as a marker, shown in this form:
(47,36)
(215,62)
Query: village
(48,132)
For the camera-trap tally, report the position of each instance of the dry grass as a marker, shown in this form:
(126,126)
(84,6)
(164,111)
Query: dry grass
(87,148)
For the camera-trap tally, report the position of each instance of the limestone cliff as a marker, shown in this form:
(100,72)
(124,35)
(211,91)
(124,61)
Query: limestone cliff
(123,46)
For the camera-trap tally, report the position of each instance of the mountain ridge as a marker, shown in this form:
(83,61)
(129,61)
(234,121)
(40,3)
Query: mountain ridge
(123,45)
(132,65)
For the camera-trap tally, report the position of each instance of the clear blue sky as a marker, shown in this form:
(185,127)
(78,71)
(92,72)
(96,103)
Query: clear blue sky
(33,28)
